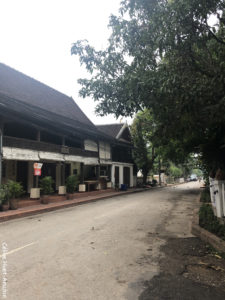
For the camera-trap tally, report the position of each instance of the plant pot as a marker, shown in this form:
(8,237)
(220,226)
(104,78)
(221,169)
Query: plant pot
(69,196)
(13,203)
(45,199)
(82,188)
(4,207)
(35,193)
(62,190)
(109,185)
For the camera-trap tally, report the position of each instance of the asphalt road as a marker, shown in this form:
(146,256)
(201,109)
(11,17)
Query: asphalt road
(103,250)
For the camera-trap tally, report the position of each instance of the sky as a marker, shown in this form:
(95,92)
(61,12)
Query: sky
(36,38)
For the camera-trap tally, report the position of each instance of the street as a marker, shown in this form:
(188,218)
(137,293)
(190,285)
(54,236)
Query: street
(98,251)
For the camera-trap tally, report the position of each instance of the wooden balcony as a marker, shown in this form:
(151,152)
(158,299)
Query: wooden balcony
(42,146)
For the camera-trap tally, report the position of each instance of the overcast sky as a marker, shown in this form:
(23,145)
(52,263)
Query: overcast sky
(36,38)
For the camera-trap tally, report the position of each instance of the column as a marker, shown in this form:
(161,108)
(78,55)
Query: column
(58,175)
(98,172)
(113,175)
(63,169)
(120,175)
(131,177)
(30,176)
(81,173)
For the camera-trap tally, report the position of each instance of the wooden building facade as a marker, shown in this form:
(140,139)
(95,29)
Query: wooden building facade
(40,124)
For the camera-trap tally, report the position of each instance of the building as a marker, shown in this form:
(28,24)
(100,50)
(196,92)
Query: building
(122,170)
(40,124)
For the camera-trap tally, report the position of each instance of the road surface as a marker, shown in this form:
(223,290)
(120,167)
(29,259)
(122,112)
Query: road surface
(105,250)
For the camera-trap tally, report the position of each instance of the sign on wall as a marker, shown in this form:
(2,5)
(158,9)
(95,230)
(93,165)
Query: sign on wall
(37,169)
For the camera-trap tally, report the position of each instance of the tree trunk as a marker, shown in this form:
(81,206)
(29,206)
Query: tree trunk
(145,174)
(159,172)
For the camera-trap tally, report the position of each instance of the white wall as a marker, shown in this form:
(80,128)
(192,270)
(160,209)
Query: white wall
(90,145)
(104,150)
(121,168)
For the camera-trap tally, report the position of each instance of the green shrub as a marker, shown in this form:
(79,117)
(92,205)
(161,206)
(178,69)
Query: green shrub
(175,171)
(209,221)
(205,196)
(72,183)
(15,189)
(46,185)
(4,194)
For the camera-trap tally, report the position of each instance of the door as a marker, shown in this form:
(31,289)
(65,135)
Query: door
(126,176)
(117,176)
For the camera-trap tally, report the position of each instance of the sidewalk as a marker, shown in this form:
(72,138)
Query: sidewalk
(79,199)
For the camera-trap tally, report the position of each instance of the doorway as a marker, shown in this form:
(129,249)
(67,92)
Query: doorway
(117,176)
(22,173)
(126,176)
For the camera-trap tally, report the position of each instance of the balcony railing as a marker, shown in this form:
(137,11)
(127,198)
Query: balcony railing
(42,146)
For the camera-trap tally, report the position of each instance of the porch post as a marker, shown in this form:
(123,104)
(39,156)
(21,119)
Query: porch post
(113,175)
(62,174)
(131,177)
(81,173)
(98,172)
(121,172)
(99,160)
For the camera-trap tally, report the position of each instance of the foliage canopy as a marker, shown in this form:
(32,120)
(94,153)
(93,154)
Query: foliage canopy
(167,56)
(142,132)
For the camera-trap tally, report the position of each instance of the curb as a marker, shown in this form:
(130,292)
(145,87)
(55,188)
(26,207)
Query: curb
(60,205)
(205,235)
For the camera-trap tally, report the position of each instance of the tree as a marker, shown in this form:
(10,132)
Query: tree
(142,130)
(175,171)
(167,56)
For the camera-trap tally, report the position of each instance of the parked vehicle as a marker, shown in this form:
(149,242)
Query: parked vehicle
(193,177)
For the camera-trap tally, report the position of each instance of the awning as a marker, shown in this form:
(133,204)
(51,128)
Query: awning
(51,156)
(85,160)
(105,162)
(20,154)
(73,158)
(12,153)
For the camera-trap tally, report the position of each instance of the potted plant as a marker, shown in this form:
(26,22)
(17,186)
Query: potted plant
(15,190)
(46,188)
(4,197)
(71,185)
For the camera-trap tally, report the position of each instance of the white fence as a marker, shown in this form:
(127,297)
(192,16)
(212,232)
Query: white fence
(217,194)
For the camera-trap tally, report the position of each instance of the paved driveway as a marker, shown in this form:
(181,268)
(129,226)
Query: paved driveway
(104,250)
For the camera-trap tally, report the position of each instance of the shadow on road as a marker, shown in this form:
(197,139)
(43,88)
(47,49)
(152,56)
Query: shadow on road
(189,271)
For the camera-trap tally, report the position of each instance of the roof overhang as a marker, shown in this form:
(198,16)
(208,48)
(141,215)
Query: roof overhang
(121,130)
(32,115)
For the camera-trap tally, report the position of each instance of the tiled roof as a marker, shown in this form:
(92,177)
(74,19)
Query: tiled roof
(21,87)
(110,129)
